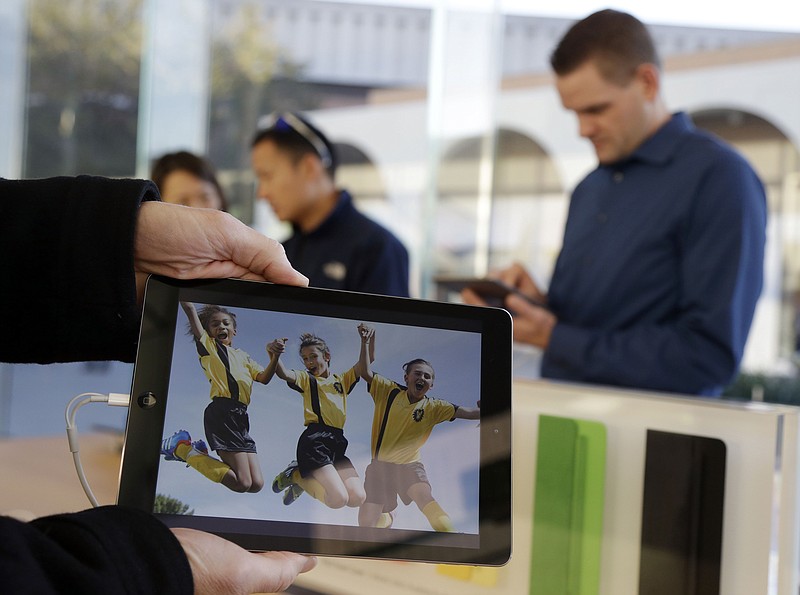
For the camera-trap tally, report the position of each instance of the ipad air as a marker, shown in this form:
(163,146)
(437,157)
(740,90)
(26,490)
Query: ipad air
(323,422)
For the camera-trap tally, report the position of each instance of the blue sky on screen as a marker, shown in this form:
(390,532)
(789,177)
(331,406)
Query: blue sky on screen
(276,416)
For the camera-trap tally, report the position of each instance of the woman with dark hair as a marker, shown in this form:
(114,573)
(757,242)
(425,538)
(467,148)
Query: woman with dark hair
(188,179)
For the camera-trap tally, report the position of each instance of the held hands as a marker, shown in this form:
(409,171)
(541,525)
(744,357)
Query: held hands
(532,324)
(366,332)
(190,243)
(277,347)
(220,567)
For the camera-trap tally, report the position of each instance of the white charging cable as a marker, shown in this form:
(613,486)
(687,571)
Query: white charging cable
(115,399)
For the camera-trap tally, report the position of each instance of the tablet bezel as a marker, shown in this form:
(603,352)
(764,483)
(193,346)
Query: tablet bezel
(149,395)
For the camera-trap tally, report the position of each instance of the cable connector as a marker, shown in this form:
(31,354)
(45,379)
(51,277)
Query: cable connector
(119,399)
(115,399)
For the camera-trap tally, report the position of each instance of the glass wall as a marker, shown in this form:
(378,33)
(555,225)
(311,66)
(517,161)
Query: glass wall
(450,131)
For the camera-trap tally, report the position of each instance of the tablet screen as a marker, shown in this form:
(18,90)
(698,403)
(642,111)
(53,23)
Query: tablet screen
(252,418)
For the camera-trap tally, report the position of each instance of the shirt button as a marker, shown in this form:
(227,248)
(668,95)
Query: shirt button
(618,176)
(601,217)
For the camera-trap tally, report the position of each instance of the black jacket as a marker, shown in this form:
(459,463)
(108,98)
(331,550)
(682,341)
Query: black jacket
(68,282)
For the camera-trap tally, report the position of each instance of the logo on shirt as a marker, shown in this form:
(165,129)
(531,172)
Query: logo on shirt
(335,270)
(418,414)
(338,387)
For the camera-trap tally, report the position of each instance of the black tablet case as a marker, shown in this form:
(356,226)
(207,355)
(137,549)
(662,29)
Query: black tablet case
(682,515)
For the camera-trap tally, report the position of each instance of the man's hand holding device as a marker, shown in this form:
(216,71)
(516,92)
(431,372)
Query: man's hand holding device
(513,288)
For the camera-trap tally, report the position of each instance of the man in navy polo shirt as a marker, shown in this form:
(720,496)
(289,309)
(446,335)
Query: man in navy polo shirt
(661,265)
(333,244)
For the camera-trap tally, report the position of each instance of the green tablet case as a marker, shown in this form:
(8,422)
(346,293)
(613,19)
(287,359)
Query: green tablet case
(568,507)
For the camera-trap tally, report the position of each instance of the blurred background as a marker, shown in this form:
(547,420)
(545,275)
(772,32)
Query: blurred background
(444,112)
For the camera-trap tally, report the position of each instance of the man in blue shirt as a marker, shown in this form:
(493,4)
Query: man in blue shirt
(661,264)
(333,244)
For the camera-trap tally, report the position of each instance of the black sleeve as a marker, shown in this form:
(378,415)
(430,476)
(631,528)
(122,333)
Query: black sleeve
(67,267)
(99,551)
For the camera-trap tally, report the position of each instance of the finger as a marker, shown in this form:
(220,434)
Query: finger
(519,306)
(517,276)
(470,297)
(276,571)
(532,324)
(513,275)
(266,258)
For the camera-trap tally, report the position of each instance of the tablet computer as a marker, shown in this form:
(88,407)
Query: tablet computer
(415,465)
(492,291)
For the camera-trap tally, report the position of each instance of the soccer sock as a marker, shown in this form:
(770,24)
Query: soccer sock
(384,521)
(314,488)
(437,517)
(212,468)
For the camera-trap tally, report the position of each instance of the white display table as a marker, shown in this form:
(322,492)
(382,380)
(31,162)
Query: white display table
(760,531)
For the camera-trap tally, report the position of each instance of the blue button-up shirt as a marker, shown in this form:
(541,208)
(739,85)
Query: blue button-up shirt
(661,267)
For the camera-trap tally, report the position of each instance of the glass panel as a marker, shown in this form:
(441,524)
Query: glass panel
(174,90)
(452,135)
(83,87)
(13,30)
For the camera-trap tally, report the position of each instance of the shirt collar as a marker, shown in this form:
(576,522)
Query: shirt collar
(343,207)
(661,147)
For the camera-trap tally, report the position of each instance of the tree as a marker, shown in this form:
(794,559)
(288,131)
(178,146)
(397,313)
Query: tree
(250,76)
(84,58)
(168,505)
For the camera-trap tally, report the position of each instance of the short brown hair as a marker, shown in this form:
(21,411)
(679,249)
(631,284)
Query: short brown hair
(408,365)
(618,43)
(312,340)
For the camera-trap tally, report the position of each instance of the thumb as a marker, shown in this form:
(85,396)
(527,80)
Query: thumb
(273,572)
(265,258)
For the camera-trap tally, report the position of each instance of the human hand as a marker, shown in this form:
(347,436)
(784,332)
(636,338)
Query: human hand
(277,346)
(366,332)
(532,324)
(517,276)
(514,277)
(191,243)
(220,567)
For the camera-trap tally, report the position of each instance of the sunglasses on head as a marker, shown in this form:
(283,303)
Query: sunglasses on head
(287,121)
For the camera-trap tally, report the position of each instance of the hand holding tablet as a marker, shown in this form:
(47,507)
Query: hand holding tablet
(492,291)
(375,421)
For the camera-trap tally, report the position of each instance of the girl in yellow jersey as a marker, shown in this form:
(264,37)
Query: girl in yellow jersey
(403,420)
(322,469)
(231,373)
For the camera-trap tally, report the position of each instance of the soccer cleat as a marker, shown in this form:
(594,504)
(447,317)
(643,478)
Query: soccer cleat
(168,445)
(292,493)
(283,480)
(200,446)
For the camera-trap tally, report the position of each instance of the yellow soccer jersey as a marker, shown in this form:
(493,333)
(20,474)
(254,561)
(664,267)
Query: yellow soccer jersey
(230,371)
(325,399)
(407,426)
